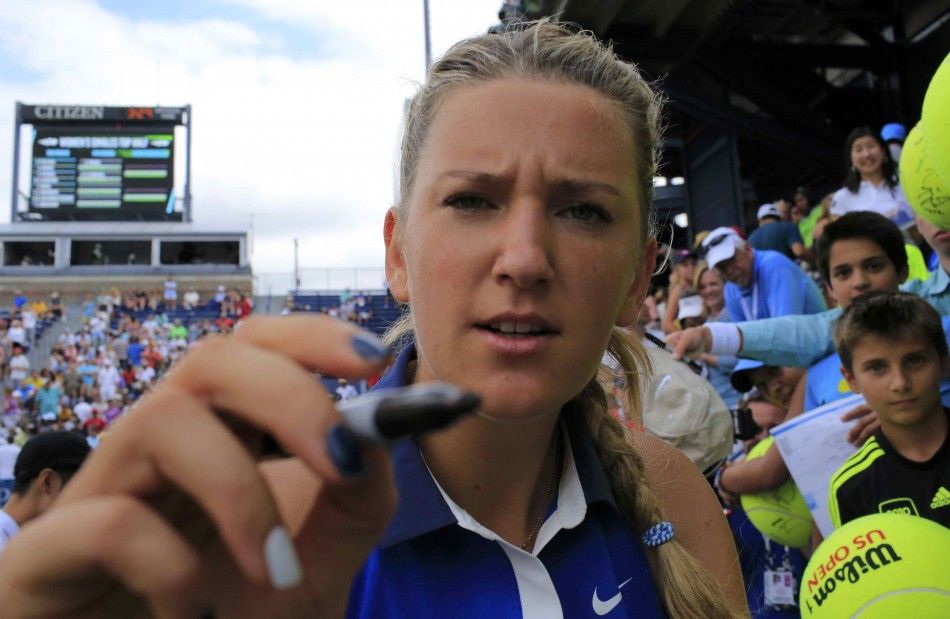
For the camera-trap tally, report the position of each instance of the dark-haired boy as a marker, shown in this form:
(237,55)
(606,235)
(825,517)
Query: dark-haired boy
(894,353)
(859,253)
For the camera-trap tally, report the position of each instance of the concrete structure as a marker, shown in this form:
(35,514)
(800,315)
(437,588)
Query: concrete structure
(79,257)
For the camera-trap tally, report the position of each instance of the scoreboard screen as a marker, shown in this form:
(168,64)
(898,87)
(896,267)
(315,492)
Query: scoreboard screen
(102,172)
(101,163)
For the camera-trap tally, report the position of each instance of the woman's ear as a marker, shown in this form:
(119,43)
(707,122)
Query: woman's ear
(396,274)
(638,289)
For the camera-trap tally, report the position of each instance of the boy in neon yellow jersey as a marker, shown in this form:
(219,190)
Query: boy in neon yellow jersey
(893,351)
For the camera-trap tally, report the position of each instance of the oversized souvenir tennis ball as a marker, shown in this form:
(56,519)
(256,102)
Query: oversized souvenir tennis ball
(780,514)
(926,192)
(935,121)
(882,565)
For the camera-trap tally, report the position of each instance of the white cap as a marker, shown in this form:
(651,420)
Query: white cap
(720,245)
(769,210)
(690,307)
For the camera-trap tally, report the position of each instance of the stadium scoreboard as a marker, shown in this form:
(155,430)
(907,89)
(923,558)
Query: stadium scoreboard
(102,163)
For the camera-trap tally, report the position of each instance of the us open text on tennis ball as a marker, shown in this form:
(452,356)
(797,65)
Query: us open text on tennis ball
(882,565)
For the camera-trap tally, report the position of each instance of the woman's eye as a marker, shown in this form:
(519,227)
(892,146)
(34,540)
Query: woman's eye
(842,274)
(467,202)
(588,213)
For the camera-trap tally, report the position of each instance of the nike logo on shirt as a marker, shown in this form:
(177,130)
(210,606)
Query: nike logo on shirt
(602,607)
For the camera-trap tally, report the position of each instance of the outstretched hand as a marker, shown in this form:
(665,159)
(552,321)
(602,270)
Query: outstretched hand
(175,514)
(689,343)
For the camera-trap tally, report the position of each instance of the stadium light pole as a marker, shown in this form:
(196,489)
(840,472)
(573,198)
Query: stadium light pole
(428,39)
(296,268)
(17,119)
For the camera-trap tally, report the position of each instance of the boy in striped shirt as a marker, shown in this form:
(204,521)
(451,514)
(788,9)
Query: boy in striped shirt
(893,351)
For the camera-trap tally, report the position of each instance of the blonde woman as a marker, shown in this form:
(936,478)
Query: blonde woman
(521,243)
(709,285)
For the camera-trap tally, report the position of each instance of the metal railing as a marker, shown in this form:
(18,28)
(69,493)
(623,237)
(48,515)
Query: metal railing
(331,279)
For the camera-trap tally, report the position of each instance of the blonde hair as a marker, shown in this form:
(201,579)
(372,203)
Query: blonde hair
(550,51)
(701,268)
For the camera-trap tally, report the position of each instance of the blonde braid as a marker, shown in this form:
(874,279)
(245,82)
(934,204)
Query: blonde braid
(686,587)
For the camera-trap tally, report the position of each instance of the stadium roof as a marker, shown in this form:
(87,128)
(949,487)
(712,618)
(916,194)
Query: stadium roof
(789,77)
(116,229)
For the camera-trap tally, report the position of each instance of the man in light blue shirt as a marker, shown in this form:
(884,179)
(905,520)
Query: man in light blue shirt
(802,340)
(762,283)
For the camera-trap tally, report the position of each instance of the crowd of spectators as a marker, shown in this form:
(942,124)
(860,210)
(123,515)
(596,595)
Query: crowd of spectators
(783,283)
(93,375)
(228,302)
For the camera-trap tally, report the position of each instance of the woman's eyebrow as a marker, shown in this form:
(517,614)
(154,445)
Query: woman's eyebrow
(584,186)
(574,186)
(474,176)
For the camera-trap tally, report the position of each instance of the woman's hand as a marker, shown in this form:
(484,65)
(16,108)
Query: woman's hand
(173,515)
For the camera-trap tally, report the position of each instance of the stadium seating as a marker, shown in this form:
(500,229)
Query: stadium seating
(383,313)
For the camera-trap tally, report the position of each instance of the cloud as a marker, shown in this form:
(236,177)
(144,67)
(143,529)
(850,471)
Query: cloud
(296,104)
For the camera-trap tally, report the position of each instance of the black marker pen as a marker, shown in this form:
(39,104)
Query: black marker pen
(386,415)
(695,367)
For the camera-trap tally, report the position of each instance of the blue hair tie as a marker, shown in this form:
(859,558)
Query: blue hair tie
(660,533)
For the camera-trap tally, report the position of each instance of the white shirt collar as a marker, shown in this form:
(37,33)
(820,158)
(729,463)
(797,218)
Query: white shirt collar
(570,511)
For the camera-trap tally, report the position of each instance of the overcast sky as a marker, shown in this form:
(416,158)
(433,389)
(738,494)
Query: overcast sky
(296,103)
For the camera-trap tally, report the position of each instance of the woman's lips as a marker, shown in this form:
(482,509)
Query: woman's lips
(516,345)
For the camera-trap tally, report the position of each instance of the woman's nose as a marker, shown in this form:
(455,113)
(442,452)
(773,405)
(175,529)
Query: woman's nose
(524,255)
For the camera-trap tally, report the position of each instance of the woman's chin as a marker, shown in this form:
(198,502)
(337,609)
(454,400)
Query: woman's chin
(515,408)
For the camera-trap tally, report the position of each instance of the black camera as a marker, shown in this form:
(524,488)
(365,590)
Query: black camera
(744,426)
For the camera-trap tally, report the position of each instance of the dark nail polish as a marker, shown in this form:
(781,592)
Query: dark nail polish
(345,451)
(369,347)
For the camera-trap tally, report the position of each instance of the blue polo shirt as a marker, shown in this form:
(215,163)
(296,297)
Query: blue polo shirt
(435,560)
(778,288)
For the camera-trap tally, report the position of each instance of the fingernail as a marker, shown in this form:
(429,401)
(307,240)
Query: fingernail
(283,565)
(369,347)
(345,451)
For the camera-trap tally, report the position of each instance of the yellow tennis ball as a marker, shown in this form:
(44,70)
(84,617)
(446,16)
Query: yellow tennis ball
(935,121)
(780,514)
(926,192)
(882,565)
